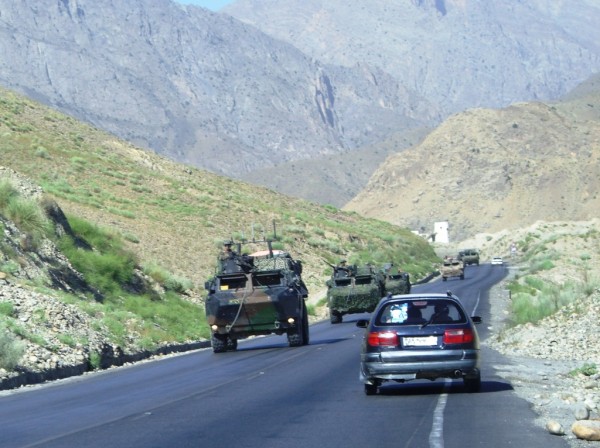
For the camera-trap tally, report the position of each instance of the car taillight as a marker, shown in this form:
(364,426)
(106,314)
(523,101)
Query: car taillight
(458,336)
(382,339)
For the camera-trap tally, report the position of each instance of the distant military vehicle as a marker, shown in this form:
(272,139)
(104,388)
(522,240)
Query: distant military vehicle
(355,289)
(395,281)
(469,256)
(256,294)
(452,267)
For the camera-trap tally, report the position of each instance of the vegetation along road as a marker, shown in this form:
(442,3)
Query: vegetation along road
(269,395)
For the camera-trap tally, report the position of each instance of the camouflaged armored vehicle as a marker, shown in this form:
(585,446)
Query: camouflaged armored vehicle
(452,267)
(395,281)
(469,256)
(355,289)
(256,294)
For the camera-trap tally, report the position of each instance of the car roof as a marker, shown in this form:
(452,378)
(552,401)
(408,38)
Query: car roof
(424,295)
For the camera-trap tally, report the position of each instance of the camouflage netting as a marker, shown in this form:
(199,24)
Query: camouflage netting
(265,264)
(354,299)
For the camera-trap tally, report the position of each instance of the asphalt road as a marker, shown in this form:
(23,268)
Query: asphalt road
(269,395)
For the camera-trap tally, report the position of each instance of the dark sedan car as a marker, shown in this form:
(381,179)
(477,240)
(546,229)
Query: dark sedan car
(419,336)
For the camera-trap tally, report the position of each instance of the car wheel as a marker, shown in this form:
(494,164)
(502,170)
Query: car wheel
(462,277)
(444,278)
(473,383)
(370,389)
(219,343)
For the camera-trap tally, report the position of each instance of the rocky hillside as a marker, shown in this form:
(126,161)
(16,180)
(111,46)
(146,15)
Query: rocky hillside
(285,82)
(454,54)
(487,170)
(195,86)
(52,320)
(553,362)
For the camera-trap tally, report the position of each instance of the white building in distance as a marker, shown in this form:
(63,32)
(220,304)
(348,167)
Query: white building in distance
(440,232)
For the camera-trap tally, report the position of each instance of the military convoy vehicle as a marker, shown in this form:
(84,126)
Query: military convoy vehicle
(452,267)
(353,289)
(256,294)
(469,256)
(395,281)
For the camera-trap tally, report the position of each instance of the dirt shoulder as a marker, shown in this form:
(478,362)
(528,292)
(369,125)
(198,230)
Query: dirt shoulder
(543,358)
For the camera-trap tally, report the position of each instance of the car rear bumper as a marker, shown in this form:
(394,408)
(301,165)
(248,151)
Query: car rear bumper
(453,364)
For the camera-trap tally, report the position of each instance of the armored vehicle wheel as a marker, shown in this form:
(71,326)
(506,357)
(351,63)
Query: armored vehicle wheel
(299,335)
(370,389)
(296,336)
(335,317)
(219,343)
(305,335)
(232,344)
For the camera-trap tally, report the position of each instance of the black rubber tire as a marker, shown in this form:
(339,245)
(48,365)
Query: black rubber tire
(305,326)
(219,343)
(371,389)
(473,383)
(295,337)
(232,344)
(444,278)
(298,335)
(335,317)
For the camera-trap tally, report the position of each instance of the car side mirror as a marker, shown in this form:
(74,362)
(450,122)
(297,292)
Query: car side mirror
(476,319)
(362,323)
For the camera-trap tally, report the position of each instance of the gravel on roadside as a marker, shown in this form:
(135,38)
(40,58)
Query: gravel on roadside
(544,358)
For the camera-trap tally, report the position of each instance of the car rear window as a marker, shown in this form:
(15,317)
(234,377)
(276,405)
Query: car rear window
(433,311)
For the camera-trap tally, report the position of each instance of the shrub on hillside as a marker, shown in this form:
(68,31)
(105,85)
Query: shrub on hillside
(11,349)
(7,192)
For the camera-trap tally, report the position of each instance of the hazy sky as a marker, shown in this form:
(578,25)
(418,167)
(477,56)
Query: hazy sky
(214,5)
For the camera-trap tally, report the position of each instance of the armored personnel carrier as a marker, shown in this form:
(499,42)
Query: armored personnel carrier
(355,289)
(256,294)
(395,281)
(469,256)
(452,267)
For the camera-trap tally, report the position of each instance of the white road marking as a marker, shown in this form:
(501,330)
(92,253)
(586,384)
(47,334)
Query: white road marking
(436,436)
(476,303)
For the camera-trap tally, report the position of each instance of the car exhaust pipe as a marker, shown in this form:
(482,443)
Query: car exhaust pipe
(457,374)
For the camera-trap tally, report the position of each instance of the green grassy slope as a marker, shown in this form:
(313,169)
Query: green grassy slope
(176,216)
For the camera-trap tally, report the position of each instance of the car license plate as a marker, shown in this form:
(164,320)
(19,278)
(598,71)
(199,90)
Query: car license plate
(423,341)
